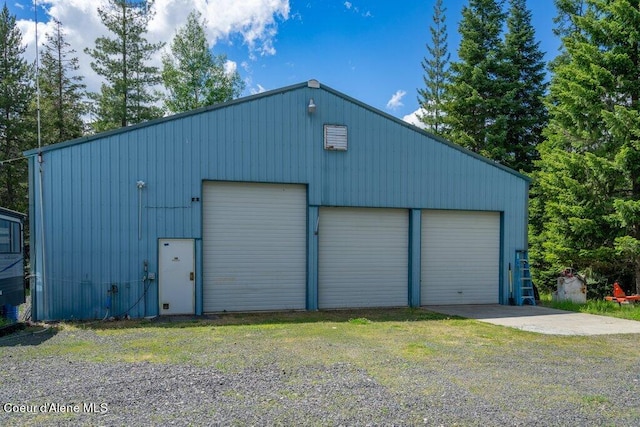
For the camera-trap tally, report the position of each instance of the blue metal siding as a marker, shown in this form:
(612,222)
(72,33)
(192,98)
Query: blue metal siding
(91,198)
(312,257)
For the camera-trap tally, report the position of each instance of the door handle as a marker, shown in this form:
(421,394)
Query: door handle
(191,276)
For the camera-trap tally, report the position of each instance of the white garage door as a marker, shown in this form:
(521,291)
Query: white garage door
(363,257)
(254,246)
(460,257)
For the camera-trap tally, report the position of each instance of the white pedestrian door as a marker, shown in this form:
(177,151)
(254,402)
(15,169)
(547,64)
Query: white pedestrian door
(176,276)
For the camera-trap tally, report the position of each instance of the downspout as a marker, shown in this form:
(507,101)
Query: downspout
(42,241)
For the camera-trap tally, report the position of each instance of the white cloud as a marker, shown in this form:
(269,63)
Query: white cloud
(258,89)
(349,6)
(254,21)
(230,67)
(413,118)
(396,100)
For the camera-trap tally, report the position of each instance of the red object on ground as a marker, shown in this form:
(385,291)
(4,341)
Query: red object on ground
(620,296)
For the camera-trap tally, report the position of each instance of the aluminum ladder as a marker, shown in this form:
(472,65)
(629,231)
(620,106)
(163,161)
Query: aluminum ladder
(525,293)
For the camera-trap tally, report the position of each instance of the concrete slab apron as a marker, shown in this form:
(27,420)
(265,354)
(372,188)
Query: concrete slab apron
(542,320)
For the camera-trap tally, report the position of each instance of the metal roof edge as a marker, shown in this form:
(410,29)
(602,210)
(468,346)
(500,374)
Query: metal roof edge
(9,212)
(106,134)
(437,138)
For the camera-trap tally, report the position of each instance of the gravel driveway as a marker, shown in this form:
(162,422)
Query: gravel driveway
(311,393)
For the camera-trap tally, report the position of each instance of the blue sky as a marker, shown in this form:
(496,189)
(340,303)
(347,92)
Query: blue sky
(370,50)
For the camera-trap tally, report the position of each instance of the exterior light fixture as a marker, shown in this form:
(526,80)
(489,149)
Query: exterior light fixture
(311,107)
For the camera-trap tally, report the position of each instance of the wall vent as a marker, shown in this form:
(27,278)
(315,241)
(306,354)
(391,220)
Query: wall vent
(335,137)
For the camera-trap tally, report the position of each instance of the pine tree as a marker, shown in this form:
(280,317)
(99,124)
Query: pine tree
(193,76)
(16,124)
(475,94)
(127,96)
(523,70)
(590,163)
(436,70)
(567,11)
(543,206)
(62,92)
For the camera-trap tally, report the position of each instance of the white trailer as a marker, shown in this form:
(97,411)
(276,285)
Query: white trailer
(12,283)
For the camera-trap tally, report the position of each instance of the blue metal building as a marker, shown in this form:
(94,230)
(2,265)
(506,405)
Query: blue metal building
(293,199)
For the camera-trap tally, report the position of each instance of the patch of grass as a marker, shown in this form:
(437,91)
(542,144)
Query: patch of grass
(601,307)
(596,400)
(359,321)
(275,318)
(236,341)
(418,350)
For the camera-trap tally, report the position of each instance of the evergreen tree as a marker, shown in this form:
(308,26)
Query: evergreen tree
(436,76)
(545,265)
(16,124)
(590,163)
(567,11)
(193,76)
(523,69)
(475,95)
(62,93)
(127,96)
